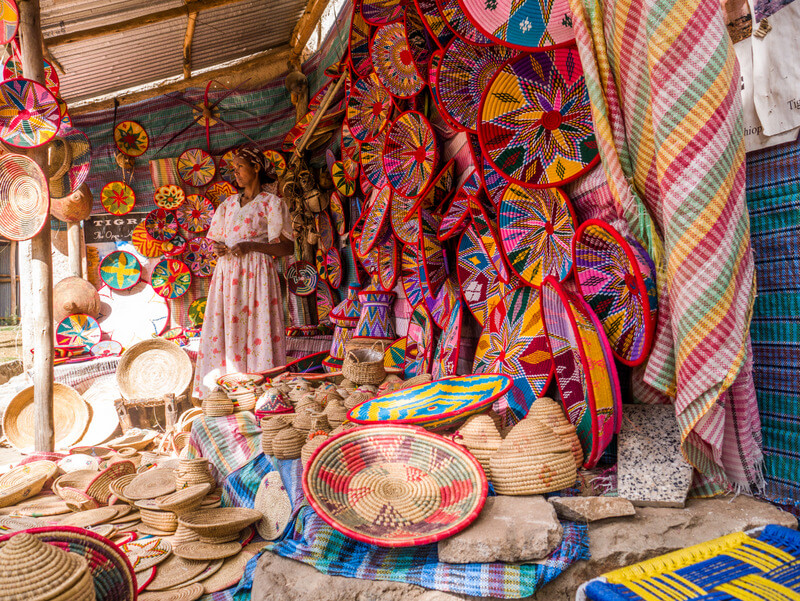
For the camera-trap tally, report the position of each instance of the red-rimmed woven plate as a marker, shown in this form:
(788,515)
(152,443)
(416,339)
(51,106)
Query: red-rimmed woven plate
(463,76)
(494,183)
(345,184)
(376,220)
(513,342)
(360,35)
(9,21)
(445,359)
(381,12)
(433,268)
(325,300)
(118,198)
(196,167)
(372,162)
(78,330)
(197,311)
(439,190)
(444,302)
(524,24)
(195,214)
(225,168)
(171,278)
(433,78)
(409,488)
(12,69)
(324,230)
(219,191)
(536,230)
(201,257)
(368,108)
(319,263)
(617,278)
(535,121)
(410,154)
(174,247)
(131,138)
(277,161)
(29,113)
(410,275)
(457,21)
(161,225)
(302,278)
(120,270)
(456,218)
(584,367)
(144,244)
(24,197)
(434,21)
(419,342)
(405,225)
(337,213)
(388,263)
(419,40)
(491,241)
(169,197)
(394,63)
(350,146)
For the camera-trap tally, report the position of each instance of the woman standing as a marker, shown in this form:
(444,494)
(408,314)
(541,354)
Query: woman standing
(243,329)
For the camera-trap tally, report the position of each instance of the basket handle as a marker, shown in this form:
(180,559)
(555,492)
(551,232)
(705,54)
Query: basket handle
(355,359)
(374,344)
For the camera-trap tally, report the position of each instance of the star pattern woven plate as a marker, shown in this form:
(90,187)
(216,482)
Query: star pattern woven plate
(360,34)
(276,159)
(225,168)
(118,198)
(195,214)
(161,225)
(144,244)
(536,230)
(325,300)
(372,162)
(201,257)
(219,191)
(491,242)
(29,114)
(120,270)
(131,139)
(408,488)
(171,278)
(410,155)
(381,12)
(196,167)
(445,301)
(333,267)
(345,184)
(368,108)
(405,225)
(439,190)
(535,121)
(394,63)
(12,69)
(445,359)
(457,21)
(388,263)
(410,275)
(464,75)
(433,269)
(169,197)
(9,21)
(434,21)
(78,330)
(325,230)
(513,342)
(616,278)
(24,197)
(174,247)
(197,311)
(419,342)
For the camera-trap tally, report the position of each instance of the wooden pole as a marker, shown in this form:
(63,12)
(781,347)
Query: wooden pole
(187,45)
(12,273)
(41,268)
(74,248)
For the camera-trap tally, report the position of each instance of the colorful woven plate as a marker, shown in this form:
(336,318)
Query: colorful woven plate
(420,42)
(106,348)
(381,12)
(394,62)
(513,342)
(131,138)
(444,302)
(439,190)
(345,184)
(276,159)
(333,267)
(196,167)
(120,270)
(29,113)
(394,355)
(302,278)
(360,34)
(480,285)
(372,161)
(445,359)
(410,155)
(171,278)
(464,75)
(535,121)
(78,330)
(491,241)
(585,371)
(617,278)
(201,257)
(12,69)
(408,488)
(161,225)
(350,146)
(225,168)
(129,316)
(434,21)
(419,342)
(388,263)
(76,160)
(169,197)
(376,221)
(368,108)
(525,24)
(404,224)
(457,21)
(24,197)
(324,229)
(219,191)
(434,405)
(144,244)
(325,300)
(433,269)
(195,214)
(118,198)
(410,275)
(494,183)
(197,311)
(536,230)
(9,21)
(337,213)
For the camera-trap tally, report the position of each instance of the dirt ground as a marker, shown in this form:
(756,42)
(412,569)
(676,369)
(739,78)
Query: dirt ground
(10,343)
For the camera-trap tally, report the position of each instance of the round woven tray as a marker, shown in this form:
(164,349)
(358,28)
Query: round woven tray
(70,416)
(42,506)
(184,500)
(175,571)
(153,368)
(100,487)
(191,592)
(200,551)
(25,481)
(151,484)
(232,570)
(222,522)
(92,517)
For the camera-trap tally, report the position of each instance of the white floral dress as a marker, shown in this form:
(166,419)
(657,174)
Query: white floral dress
(243,329)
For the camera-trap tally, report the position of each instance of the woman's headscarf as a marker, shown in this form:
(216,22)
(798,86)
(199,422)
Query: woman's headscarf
(256,158)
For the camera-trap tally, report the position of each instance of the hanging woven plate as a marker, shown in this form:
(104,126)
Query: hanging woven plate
(434,22)
(381,12)
(120,270)
(433,78)
(118,198)
(69,158)
(376,221)
(444,302)
(410,155)
(584,367)
(439,190)
(161,225)
(277,161)
(171,278)
(536,230)
(494,183)
(131,139)
(345,184)
(433,268)
(195,214)
(491,241)
(360,34)
(456,218)
(464,75)
(132,315)
(219,191)
(324,229)
(457,21)
(405,225)
(106,348)
(66,120)
(617,278)
(9,21)
(445,359)
(12,69)
(201,257)
(337,213)
(296,132)
(524,24)
(401,491)
(419,342)
(174,247)
(368,108)
(302,278)
(144,244)
(225,167)
(169,197)
(410,275)
(29,114)
(197,311)
(513,342)
(372,162)
(350,146)
(78,330)
(388,263)
(535,121)
(196,167)
(319,263)
(394,355)
(325,300)
(394,62)
(24,197)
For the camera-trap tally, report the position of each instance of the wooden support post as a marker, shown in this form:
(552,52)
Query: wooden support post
(74,248)
(187,45)
(12,272)
(41,268)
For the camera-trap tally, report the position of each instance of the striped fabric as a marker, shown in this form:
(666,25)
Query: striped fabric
(227,442)
(663,81)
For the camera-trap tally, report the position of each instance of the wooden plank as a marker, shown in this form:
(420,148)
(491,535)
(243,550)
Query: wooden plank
(12,274)
(305,26)
(187,46)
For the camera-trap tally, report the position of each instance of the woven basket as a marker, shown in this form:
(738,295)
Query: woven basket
(151,484)
(416,380)
(222,524)
(70,413)
(153,368)
(185,500)
(117,487)
(25,481)
(183,535)
(79,480)
(312,445)
(77,500)
(364,366)
(217,404)
(288,444)
(165,521)
(480,436)
(336,413)
(100,487)
(303,421)
(547,411)
(357,398)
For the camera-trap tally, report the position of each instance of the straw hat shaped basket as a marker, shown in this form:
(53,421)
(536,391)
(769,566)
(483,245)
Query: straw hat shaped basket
(25,481)
(153,368)
(481,437)
(547,411)
(70,412)
(222,524)
(364,366)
